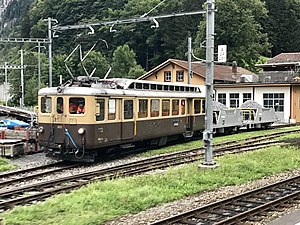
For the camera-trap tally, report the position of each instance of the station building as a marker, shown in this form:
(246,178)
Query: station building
(276,86)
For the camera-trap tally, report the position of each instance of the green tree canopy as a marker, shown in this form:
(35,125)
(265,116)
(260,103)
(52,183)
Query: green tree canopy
(237,25)
(124,61)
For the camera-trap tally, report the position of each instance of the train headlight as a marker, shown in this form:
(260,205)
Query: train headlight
(41,130)
(81,131)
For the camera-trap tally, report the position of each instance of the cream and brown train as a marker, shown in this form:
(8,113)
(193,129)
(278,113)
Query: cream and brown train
(82,119)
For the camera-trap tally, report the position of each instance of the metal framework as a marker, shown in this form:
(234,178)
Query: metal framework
(125,21)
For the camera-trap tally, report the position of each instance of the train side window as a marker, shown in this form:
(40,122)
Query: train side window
(112,109)
(165,107)
(143,108)
(59,105)
(76,105)
(197,106)
(128,109)
(175,107)
(182,107)
(46,105)
(154,108)
(203,107)
(100,109)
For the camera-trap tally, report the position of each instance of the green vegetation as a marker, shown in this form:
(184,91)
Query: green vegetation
(250,29)
(216,140)
(103,201)
(4,165)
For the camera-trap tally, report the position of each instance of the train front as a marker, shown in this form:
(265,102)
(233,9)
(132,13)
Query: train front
(65,117)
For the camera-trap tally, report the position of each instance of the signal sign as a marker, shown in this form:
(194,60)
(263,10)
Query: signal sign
(222,53)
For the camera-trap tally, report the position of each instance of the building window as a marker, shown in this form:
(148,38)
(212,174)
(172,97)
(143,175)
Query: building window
(274,100)
(222,98)
(234,100)
(168,76)
(246,97)
(179,75)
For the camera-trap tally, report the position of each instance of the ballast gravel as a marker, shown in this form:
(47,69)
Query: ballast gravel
(172,208)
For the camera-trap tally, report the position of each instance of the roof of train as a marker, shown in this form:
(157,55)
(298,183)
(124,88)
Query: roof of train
(127,87)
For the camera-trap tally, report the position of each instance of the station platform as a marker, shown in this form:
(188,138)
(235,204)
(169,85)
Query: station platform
(290,219)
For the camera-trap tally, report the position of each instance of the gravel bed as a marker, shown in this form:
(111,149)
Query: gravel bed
(164,210)
(39,159)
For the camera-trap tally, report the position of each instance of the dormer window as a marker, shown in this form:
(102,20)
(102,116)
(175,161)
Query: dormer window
(168,76)
(179,76)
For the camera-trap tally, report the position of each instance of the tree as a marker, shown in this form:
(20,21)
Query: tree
(124,61)
(94,60)
(237,25)
(283,25)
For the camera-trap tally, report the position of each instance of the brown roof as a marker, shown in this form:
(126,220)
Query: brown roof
(285,58)
(221,72)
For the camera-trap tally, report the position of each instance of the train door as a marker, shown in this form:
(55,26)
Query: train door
(114,119)
(190,117)
(128,123)
(59,111)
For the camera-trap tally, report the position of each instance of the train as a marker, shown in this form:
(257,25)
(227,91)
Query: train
(88,116)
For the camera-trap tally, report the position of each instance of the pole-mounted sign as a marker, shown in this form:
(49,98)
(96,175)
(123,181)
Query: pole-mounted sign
(222,53)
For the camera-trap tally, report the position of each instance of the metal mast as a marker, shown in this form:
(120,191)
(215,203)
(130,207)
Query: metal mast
(208,133)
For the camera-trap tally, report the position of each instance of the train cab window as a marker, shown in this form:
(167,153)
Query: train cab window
(154,108)
(165,107)
(59,105)
(100,109)
(128,109)
(182,107)
(203,106)
(76,105)
(112,109)
(197,106)
(46,105)
(143,108)
(175,107)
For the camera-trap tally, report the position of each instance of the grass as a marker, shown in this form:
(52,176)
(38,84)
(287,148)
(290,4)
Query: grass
(216,140)
(103,201)
(4,165)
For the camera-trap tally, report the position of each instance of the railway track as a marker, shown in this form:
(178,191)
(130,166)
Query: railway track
(15,177)
(249,206)
(34,172)
(42,190)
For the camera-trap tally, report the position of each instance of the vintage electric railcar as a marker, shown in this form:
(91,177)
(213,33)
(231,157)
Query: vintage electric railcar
(83,118)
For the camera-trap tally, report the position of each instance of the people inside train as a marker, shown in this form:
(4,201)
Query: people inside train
(73,108)
(81,108)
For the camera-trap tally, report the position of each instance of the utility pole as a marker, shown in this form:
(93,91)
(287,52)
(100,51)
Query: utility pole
(50,50)
(208,133)
(189,59)
(39,65)
(6,84)
(22,80)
